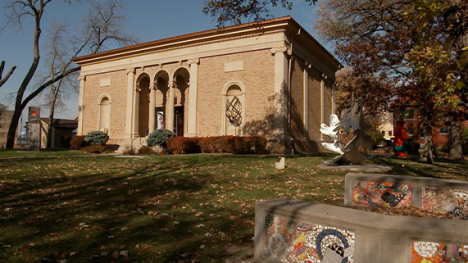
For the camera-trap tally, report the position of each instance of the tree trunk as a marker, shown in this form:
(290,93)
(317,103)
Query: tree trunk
(51,120)
(454,141)
(13,127)
(428,145)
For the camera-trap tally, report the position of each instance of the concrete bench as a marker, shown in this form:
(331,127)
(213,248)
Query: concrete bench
(289,230)
(432,194)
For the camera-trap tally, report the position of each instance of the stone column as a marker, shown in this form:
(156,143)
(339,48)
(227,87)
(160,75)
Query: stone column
(281,85)
(170,105)
(136,112)
(306,99)
(193,93)
(130,106)
(82,80)
(152,109)
(322,102)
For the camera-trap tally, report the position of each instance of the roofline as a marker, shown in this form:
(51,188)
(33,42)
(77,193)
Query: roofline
(281,22)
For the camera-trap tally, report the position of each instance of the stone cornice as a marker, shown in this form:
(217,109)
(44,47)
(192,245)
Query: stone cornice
(194,39)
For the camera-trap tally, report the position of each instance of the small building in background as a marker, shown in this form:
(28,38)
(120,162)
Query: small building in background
(5,120)
(62,132)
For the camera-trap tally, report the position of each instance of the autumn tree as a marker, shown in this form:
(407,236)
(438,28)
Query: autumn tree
(405,48)
(236,12)
(101,25)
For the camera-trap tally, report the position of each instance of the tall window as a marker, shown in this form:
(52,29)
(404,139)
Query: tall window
(104,115)
(233,109)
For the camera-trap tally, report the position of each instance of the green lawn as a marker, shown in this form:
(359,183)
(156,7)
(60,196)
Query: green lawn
(70,207)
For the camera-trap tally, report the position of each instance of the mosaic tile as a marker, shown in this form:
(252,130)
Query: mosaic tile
(446,201)
(381,193)
(296,241)
(430,252)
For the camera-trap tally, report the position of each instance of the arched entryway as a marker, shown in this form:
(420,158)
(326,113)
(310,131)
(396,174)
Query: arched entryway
(181,94)
(161,95)
(143,88)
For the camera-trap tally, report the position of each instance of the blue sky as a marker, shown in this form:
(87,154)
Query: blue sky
(147,20)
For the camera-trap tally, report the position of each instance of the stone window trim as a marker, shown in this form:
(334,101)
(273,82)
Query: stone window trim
(101,98)
(241,97)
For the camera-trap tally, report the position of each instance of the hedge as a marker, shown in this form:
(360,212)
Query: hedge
(218,144)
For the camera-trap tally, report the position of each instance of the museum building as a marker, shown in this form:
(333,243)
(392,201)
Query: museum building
(269,78)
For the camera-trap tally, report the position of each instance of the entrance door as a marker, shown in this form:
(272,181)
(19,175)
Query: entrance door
(179,120)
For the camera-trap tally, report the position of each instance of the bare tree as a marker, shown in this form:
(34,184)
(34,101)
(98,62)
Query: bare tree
(8,75)
(101,25)
(58,60)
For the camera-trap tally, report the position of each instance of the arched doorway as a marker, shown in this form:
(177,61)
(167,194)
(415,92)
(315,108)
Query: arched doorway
(161,93)
(143,85)
(181,88)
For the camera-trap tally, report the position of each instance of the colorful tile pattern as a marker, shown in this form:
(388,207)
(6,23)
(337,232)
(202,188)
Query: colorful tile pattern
(445,201)
(381,193)
(294,241)
(429,252)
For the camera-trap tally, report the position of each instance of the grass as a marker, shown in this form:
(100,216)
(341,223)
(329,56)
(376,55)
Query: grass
(70,207)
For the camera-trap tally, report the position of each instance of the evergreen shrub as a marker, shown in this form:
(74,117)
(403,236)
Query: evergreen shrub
(97,138)
(159,137)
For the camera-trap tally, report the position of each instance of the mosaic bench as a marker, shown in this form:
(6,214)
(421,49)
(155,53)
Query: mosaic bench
(293,231)
(431,194)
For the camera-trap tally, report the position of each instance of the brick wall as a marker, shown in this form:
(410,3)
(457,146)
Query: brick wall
(117,92)
(257,76)
(297,98)
(314,104)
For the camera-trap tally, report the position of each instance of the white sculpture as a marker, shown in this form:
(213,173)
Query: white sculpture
(333,133)
(354,151)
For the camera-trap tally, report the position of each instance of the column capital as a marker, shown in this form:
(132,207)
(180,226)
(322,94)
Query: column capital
(81,78)
(281,49)
(130,70)
(172,84)
(193,61)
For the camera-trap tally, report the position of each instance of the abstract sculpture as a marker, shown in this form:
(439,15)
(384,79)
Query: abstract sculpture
(361,142)
(332,132)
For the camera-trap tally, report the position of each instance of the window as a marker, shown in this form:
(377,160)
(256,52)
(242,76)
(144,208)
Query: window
(421,133)
(443,130)
(389,133)
(383,133)
(411,131)
(104,115)
(233,108)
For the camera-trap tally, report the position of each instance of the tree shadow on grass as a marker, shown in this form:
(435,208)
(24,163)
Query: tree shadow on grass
(90,213)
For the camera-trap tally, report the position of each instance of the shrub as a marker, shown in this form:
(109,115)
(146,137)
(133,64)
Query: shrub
(180,145)
(219,144)
(159,137)
(94,148)
(77,142)
(249,145)
(127,149)
(97,138)
(145,150)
